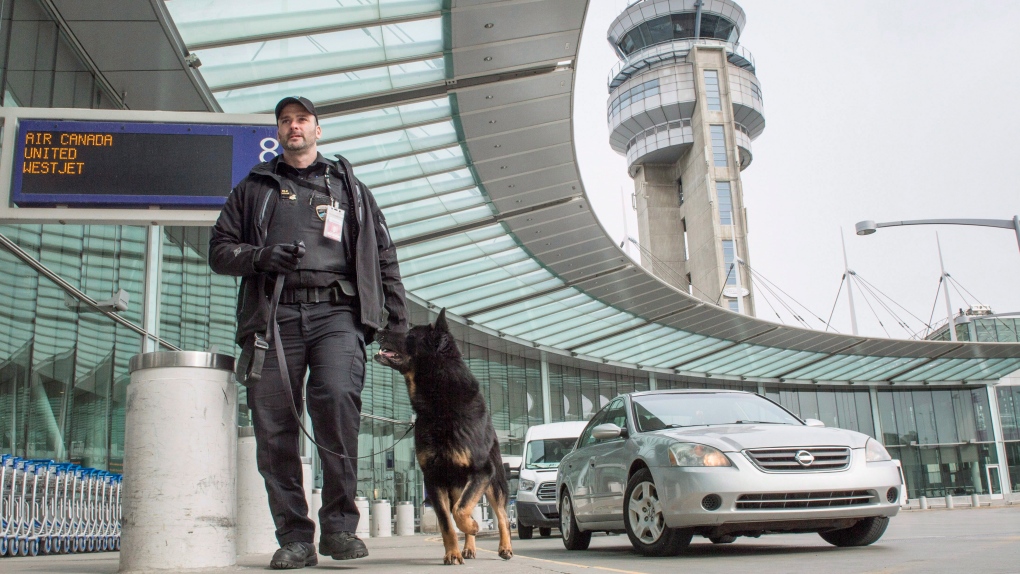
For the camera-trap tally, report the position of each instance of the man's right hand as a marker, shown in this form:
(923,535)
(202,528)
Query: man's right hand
(282,258)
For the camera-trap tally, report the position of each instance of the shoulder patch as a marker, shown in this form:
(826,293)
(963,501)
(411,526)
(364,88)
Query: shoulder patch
(237,252)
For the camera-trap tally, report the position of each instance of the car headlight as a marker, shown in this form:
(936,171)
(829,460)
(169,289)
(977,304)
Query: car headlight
(875,452)
(693,454)
(527,485)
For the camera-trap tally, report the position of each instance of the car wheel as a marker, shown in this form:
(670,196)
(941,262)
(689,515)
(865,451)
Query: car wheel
(865,532)
(573,538)
(645,522)
(525,532)
(545,532)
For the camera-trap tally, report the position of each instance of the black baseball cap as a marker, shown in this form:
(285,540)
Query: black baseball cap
(303,102)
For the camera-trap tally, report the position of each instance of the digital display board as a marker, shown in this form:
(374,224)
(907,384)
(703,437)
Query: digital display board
(134,164)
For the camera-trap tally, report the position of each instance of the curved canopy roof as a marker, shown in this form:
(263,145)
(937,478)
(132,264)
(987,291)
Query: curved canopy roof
(458,115)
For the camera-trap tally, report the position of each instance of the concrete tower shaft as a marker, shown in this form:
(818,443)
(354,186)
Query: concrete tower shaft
(684,105)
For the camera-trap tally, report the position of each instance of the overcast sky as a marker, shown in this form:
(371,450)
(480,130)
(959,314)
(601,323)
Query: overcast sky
(874,110)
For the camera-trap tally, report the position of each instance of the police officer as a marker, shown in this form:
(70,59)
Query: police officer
(340,286)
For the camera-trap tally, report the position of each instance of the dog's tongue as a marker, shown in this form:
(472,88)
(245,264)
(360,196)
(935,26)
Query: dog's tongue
(387,354)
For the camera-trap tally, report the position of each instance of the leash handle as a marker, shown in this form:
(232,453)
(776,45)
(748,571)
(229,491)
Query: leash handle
(273,338)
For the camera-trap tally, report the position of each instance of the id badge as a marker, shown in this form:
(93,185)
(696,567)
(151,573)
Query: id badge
(334,228)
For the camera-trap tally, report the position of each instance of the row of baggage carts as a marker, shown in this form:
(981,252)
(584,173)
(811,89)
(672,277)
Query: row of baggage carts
(48,507)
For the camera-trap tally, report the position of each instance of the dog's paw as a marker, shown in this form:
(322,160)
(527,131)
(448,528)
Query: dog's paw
(506,553)
(453,557)
(469,554)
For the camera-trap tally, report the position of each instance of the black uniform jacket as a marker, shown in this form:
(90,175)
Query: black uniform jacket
(240,231)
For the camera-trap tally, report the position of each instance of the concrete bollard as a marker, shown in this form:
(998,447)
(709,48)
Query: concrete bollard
(382,522)
(256,533)
(975,502)
(405,519)
(364,523)
(949,502)
(429,523)
(180,463)
(923,501)
(477,515)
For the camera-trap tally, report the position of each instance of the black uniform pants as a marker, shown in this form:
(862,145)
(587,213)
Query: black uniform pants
(327,341)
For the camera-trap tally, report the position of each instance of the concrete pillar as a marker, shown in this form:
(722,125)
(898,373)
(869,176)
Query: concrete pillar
(180,457)
(546,390)
(405,519)
(256,533)
(364,524)
(382,525)
(975,501)
(949,501)
(924,502)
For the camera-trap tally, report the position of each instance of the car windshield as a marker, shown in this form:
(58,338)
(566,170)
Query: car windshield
(675,410)
(547,453)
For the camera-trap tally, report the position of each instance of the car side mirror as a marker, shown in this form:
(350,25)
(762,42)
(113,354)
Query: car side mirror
(814,423)
(607,431)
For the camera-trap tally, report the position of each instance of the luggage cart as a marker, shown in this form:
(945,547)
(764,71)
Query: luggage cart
(49,508)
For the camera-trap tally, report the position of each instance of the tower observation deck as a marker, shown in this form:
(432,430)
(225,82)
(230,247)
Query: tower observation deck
(684,105)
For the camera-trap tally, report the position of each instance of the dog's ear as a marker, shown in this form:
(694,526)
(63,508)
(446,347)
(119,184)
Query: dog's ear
(441,324)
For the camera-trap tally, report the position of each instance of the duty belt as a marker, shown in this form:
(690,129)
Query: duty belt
(332,294)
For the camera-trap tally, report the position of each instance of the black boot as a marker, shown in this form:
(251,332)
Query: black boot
(342,546)
(294,555)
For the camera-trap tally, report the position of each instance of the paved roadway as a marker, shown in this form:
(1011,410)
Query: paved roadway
(985,540)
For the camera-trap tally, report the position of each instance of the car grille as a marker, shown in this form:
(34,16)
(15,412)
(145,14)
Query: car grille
(830,499)
(822,458)
(546,491)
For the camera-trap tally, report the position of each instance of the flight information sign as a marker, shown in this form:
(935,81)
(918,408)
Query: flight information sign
(134,164)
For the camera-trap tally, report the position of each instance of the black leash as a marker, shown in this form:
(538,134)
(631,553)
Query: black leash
(273,336)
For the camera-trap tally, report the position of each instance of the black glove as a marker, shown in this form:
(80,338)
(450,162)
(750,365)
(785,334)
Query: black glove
(280,258)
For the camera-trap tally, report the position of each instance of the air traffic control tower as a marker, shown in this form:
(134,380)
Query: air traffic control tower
(684,105)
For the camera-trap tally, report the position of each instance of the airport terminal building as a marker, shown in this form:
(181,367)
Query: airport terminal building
(458,115)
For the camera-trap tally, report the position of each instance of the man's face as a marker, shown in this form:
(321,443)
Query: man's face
(296,129)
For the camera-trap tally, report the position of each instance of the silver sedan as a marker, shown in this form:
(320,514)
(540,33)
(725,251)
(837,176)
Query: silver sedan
(664,466)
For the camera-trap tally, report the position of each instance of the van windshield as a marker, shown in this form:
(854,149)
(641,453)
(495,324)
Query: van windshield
(547,453)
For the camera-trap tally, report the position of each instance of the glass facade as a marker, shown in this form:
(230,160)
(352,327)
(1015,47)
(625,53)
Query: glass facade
(63,368)
(944,438)
(38,66)
(1004,329)
(676,27)
(843,408)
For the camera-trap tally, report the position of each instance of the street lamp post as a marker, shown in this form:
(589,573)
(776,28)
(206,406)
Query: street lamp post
(868,227)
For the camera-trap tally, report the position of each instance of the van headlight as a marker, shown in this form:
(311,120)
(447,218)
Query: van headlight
(875,452)
(527,485)
(693,454)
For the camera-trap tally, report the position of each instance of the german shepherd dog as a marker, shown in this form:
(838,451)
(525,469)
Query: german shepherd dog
(454,440)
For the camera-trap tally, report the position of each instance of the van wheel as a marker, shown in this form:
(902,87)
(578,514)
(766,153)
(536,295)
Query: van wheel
(545,532)
(573,538)
(646,525)
(525,532)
